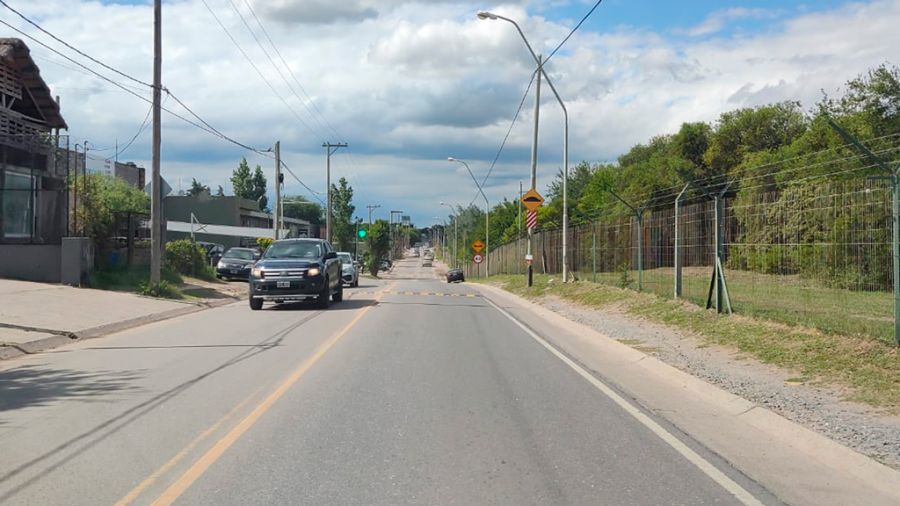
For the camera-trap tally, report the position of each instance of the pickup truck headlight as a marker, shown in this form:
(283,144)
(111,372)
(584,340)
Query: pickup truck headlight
(313,271)
(221,264)
(257,272)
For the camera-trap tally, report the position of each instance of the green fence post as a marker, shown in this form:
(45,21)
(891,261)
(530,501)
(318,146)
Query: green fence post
(594,251)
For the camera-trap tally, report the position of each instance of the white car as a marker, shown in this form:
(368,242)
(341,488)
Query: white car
(349,272)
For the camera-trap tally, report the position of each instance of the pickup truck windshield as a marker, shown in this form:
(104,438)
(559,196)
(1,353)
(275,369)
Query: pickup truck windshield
(307,250)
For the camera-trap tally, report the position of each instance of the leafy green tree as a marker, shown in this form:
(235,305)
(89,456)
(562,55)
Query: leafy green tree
(379,240)
(198,188)
(259,188)
(249,185)
(342,219)
(106,199)
(303,209)
(242,180)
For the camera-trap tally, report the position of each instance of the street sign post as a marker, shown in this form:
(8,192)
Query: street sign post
(532,200)
(478,246)
(478,258)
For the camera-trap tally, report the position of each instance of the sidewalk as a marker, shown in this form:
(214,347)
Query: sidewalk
(39,316)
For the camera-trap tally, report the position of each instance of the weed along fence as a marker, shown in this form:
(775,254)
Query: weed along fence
(816,251)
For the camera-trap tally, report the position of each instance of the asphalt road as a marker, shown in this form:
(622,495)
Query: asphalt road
(411,391)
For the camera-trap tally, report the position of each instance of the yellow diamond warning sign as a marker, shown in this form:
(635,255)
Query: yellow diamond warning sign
(478,246)
(532,200)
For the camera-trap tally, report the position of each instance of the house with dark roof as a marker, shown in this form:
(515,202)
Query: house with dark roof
(34,197)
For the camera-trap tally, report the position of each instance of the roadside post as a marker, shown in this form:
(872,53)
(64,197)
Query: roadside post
(532,200)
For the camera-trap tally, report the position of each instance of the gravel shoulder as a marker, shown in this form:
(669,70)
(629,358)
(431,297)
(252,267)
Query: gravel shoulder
(817,407)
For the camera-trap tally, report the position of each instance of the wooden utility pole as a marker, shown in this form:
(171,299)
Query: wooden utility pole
(329,150)
(155,193)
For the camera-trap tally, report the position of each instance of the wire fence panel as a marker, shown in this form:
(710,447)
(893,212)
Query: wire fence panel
(816,254)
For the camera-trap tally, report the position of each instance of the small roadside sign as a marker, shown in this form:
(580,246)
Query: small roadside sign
(478,246)
(531,220)
(532,200)
(478,259)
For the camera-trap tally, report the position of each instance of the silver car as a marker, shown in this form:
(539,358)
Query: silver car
(349,272)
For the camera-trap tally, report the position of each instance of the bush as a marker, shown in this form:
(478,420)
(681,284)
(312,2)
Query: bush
(186,257)
(164,290)
(264,242)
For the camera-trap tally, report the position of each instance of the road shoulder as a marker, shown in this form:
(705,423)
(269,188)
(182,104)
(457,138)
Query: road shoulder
(795,463)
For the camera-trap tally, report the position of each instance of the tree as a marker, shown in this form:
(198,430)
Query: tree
(379,240)
(342,209)
(301,208)
(259,188)
(220,192)
(197,188)
(249,185)
(106,199)
(242,180)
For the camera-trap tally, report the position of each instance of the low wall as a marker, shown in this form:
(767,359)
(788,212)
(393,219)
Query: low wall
(30,262)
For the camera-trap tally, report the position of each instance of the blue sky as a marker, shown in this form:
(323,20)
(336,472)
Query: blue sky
(408,83)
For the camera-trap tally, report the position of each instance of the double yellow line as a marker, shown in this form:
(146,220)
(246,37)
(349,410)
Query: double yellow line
(183,482)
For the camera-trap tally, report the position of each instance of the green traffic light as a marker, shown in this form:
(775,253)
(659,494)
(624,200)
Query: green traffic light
(362,233)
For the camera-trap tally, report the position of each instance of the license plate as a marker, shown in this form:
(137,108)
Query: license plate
(283,284)
(234,271)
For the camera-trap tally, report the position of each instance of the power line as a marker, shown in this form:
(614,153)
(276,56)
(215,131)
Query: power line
(208,128)
(141,129)
(291,72)
(259,72)
(314,193)
(89,57)
(573,30)
(505,137)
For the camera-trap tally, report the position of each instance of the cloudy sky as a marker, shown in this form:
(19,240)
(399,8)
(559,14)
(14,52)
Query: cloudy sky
(409,83)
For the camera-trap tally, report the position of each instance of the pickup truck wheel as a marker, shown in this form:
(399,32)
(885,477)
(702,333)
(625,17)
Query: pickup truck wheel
(339,294)
(323,300)
(256,304)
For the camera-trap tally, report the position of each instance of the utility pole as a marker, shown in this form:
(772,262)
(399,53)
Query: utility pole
(329,150)
(155,193)
(534,147)
(278,208)
(391,230)
(519,237)
(371,208)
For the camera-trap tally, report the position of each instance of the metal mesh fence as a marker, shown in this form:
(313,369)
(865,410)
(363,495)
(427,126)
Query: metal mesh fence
(816,252)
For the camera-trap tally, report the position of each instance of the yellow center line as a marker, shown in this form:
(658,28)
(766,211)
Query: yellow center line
(138,490)
(176,489)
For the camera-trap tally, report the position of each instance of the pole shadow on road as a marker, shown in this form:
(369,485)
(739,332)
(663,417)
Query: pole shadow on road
(344,305)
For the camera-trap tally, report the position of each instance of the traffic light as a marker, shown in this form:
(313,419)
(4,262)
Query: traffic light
(362,233)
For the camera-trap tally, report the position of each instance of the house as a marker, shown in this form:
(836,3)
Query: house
(235,221)
(34,199)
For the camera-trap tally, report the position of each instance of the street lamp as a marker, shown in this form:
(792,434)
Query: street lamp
(487,214)
(565,220)
(455,233)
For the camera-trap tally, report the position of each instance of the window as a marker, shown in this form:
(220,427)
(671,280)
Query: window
(18,210)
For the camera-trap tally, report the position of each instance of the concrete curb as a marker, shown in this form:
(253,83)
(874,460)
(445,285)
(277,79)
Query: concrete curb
(62,337)
(798,465)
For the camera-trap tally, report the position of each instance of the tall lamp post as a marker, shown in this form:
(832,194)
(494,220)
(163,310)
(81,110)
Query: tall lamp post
(487,217)
(565,192)
(455,233)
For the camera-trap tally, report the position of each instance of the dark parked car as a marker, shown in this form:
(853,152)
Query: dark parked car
(236,263)
(297,269)
(213,251)
(455,275)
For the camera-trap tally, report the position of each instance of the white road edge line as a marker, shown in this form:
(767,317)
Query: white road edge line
(705,466)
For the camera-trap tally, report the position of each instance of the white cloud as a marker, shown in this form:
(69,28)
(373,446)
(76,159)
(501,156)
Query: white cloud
(423,80)
(718,20)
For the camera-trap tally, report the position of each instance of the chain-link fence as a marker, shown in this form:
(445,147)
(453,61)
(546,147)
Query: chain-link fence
(814,251)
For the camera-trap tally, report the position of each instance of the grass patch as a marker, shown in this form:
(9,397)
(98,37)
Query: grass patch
(868,368)
(129,279)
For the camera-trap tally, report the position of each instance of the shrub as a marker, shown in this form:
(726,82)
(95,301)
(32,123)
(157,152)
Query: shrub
(264,242)
(186,257)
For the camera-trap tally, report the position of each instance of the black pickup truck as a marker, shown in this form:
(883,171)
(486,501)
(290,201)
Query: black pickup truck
(297,269)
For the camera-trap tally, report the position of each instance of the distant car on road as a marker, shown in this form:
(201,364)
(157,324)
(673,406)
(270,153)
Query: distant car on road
(297,269)
(426,262)
(349,272)
(236,263)
(455,275)
(385,265)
